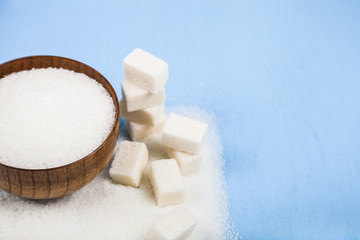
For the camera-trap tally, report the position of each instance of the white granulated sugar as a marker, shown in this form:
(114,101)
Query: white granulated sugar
(106,210)
(51,117)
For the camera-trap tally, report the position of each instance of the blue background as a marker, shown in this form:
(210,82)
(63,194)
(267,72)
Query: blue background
(282,77)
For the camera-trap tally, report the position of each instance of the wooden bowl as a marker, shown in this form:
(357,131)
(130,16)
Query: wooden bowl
(60,181)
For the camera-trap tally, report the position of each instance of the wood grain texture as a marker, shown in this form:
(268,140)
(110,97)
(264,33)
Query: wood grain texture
(59,181)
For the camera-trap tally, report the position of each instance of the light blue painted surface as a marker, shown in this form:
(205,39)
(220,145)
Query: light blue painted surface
(282,77)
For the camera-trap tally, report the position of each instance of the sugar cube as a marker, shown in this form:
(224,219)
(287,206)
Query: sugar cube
(129,163)
(176,225)
(183,134)
(146,70)
(137,98)
(147,116)
(167,182)
(139,131)
(188,163)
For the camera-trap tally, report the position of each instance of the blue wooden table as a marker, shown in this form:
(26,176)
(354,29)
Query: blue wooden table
(282,77)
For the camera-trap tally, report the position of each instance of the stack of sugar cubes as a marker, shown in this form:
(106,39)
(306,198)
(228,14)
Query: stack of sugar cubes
(143,93)
(143,108)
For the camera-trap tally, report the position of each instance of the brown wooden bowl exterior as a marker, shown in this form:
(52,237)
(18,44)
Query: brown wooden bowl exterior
(60,181)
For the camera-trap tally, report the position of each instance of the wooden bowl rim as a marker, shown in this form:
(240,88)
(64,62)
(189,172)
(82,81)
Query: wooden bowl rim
(117,113)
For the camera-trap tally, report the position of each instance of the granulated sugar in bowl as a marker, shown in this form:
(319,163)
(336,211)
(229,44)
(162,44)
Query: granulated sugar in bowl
(58,126)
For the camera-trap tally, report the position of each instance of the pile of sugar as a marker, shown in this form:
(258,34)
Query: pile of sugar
(51,117)
(106,210)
